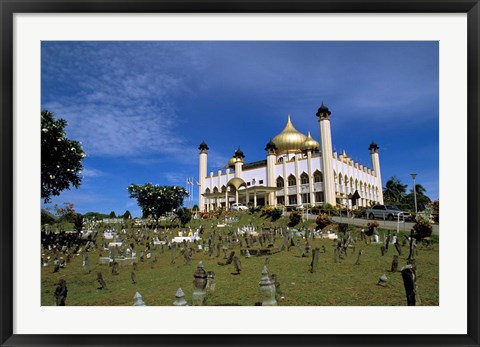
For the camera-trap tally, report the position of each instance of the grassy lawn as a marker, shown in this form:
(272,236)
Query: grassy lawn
(333,284)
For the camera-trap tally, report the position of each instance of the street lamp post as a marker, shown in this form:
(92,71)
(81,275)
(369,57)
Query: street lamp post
(414,175)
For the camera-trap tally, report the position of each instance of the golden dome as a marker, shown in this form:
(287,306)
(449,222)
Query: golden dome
(232,161)
(310,144)
(289,140)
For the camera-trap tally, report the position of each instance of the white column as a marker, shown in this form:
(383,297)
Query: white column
(202,173)
(326,148)
(285,182)
(271,178)
(297,179)
(310,177)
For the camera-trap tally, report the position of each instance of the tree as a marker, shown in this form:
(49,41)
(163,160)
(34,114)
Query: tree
(78,222)
(394,191)
(157,200)
(61,158)
(127,215)
(422,199)
(112,215)
(184,215)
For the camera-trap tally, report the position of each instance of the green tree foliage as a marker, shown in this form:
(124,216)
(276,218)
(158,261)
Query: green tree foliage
(422,200)
(156,200)
(95,215)
(112,215)
(127,215)
(78,222)
(184,215)
(61,158)
(394,191)
(47,217)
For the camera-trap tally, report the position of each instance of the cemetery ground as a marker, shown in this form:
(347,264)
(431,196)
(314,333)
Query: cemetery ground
(336,282)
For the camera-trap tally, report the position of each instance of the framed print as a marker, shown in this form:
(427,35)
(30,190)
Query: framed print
(297,154)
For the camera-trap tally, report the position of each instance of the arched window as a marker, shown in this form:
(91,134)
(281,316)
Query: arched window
(304,178)
(292,181)
(207,191)
(340,179)
(280,182)
(317,176)
(215,190)
(224,189)
(280,160)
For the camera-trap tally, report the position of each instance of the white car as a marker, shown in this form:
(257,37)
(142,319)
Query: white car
(238,207)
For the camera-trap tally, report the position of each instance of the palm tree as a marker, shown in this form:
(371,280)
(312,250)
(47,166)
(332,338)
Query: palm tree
(394,191)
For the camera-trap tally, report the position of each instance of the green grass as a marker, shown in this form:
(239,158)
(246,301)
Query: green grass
(333,284)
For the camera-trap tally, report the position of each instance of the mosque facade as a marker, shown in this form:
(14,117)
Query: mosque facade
(297,170)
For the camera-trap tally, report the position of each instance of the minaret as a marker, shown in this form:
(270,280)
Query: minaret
(323,115)
(376,167)
(238,155)
(202,174)
(271,157)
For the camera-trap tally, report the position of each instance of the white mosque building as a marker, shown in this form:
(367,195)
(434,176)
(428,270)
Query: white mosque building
(298,170)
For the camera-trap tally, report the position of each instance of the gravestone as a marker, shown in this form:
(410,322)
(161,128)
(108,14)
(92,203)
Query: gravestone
(115,268)
(383,250)
(398,248)
(137,300)
(408,275)
(237,265)
(174,253)
(101,281)
(247,254)
(180,298)
(61,293)
(267,289)
(133,276)
(335,255)
(358,258)
(314,262)
(85,263)
(382,280)
(278,291)
(199,284)
(394,263)
(210,282)
(56,265)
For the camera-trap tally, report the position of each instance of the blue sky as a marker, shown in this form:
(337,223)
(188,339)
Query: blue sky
(141,109)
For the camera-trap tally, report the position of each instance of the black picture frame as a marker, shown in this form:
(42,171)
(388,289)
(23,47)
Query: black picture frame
(10,7)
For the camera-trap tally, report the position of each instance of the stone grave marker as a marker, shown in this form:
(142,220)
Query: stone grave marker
(199,284)
(180,298)
(60,293)
(398,247)
(394,263)
(267,289)
(210,282)
(101,281)
(314,262)
(133,276)
(359,256)
(408,276)
(383,250)
(382,280)
(137,300)
(237,265)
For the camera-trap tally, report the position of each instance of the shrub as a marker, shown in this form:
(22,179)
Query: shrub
(322,221)
(295,218)
(276,214)
(342,227)
(361,212)
(78,222)
(422,229)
